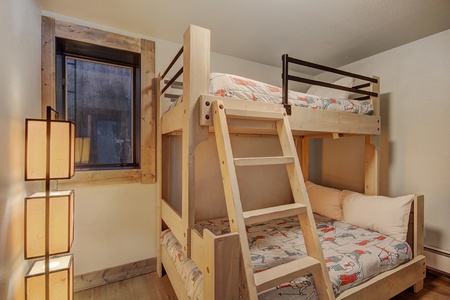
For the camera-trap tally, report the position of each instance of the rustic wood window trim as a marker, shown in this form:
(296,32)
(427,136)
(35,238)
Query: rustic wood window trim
(52,29)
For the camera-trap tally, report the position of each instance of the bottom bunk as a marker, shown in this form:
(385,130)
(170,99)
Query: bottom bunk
(359,261)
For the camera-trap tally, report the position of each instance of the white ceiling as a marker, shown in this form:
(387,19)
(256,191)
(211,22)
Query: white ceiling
(330,32)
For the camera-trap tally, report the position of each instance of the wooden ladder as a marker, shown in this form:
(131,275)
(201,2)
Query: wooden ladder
(313,263)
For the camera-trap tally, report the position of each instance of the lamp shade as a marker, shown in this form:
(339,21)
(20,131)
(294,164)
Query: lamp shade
(60,279)
(62,149)
(60,223)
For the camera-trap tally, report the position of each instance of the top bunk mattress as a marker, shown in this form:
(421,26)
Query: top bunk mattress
(227,85)
(237,87)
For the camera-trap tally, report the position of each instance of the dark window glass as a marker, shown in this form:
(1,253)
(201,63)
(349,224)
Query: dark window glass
(99,100)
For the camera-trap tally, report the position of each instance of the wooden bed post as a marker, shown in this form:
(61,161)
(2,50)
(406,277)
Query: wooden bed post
(196,68)
(418,233)
(158,176)
(221,253)
(371,166)
(371,161)
(304,161)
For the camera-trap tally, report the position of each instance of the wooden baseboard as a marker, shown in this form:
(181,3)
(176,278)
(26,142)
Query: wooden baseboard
(114,274)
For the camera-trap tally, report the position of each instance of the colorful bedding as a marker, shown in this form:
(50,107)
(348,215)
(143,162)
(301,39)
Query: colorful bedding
(352,254)
(226,85)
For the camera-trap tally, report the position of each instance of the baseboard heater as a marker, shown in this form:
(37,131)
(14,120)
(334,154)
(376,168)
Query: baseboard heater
(438,260)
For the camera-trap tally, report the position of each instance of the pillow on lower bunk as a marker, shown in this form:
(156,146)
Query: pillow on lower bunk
(332,93)
(324,201)
(383,214)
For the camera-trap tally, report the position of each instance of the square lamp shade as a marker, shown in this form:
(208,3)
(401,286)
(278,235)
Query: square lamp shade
(60,223)
(60,279)
(62,149)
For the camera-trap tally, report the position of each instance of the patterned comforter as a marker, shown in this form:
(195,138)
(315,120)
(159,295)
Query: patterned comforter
(352,254)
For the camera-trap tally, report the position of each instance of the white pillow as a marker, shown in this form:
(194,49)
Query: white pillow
(325,201)
(386,215)
(332,93)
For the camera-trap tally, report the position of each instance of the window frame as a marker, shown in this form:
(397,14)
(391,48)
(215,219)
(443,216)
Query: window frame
(53,29)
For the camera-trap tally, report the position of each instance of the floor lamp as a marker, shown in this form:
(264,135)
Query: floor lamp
(49,155)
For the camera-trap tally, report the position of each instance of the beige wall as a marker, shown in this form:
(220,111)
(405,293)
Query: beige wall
(20,90)
(415,139)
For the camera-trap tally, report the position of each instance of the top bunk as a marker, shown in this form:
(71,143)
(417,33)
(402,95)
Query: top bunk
(349,105)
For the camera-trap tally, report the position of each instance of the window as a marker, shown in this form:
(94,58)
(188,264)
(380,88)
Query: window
(101,96)
(104,83)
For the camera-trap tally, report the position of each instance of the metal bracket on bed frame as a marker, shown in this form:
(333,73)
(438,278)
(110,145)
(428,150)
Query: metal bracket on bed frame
(287,107)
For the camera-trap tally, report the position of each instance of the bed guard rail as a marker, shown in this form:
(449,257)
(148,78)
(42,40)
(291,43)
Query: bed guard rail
(177,74)
(356,89)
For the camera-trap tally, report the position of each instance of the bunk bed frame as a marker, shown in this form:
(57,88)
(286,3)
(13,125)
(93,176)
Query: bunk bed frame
(218,256)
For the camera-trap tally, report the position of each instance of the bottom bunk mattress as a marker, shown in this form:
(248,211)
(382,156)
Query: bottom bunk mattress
(352,254)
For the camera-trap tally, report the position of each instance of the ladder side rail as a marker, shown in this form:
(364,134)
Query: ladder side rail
(231,189)
(307,223)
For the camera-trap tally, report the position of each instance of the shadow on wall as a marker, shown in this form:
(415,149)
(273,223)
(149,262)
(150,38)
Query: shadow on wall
(433,234)
(340,163)
(386,145)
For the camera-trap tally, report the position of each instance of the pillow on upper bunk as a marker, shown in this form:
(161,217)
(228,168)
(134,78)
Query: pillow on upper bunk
(324,201)
(332,93)
(386,215)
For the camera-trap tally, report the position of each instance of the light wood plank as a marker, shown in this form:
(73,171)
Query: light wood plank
(148,112)
(118,273)
(419,235)
(174,221)
(222,266)
(303,121)
(196,69)
(103,177)
(96,36)
(159,178)
(174,276)
(371,167)
(285,272)
(48,65)
(172,120)
(263,161)
(272,213)
(253,114)
(304,161)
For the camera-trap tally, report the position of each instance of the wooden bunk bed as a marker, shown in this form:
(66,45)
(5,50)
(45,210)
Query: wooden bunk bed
(219,257)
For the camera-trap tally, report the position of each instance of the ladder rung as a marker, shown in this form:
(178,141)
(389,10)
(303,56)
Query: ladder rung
(254,114)
(272,213)
(263,161)
(283,273)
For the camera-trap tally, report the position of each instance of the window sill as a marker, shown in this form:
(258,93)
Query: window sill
(104,177)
